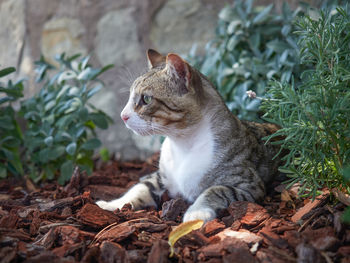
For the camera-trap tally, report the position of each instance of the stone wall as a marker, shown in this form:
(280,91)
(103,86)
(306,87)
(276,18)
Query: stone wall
(112,31)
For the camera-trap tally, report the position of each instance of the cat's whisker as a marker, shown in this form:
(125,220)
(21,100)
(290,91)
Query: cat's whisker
(126,76)
(123,90)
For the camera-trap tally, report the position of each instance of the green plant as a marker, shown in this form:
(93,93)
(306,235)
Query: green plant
(315,113)
(61,121)
(10,133)
(346,176)
(252,46)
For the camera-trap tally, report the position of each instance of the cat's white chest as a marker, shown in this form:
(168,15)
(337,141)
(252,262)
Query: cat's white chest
(185,162)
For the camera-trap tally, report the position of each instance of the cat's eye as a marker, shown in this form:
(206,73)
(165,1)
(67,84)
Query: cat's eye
(146,99)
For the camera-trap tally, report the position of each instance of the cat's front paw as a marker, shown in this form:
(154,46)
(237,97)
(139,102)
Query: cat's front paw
(111,205)
(206,214)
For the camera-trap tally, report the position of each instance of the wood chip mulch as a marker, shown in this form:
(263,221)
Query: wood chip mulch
(51,223)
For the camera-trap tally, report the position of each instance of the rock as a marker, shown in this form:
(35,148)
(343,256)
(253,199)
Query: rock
(76,183)
(48,256)
(325,243)
(308,254)
(212,227)
(96,217)
(249,214)
(309,206)
(229,244)
(193,239)
(271,238)
(56,204)
(7,254)
(159,252)
(62,35)
(105,192)
(150,227)
(113,253)
(117,37)
(338,224)
(344,251)
(322,238)
(293,238)
(48,240)
(183,22)
(239,255)
(138,255)
(267,256)
(173,208)
(245,236)
(91,255)
(12,32)
(116,233)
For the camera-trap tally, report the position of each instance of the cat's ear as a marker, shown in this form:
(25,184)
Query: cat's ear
(154,58)
(179,69)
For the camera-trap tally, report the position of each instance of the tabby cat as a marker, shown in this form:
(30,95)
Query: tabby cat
(209,156)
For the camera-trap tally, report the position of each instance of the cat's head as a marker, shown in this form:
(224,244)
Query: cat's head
(167,100)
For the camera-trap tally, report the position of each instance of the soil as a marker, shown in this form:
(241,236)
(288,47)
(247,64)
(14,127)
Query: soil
(62,224)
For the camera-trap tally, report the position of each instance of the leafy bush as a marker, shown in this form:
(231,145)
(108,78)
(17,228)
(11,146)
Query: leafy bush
(252,46)
(346,176)
(61,122)
(10,133)
(315,114)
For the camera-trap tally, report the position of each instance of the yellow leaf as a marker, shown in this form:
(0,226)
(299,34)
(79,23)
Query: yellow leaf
(182,230)
(286,198)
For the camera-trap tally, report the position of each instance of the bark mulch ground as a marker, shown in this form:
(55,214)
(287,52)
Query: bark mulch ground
(51,224)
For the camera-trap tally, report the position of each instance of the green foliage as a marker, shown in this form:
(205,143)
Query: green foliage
(10,133)
(346,176)
(252,46)
(104,154)
(61,122)
(315,113)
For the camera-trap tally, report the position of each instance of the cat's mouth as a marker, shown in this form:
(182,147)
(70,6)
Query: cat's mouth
(143,131)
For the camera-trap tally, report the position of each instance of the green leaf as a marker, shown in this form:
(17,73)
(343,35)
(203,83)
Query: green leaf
(84,62)
(234,40)
(91,144)
(6,123)
(104,153)
(3,171)
(66,171)
(87,74)
(71,148)
(51,153)
(66,75)
(93,91)
(263,15)
(50,105)
(83,114)
(6,71)
(49,172)
(232,26)
(10,141)
(5,99)
(99,119)
(346,215)
(346,173)
(43,155)
(226,14)
(48,141)
(63,90)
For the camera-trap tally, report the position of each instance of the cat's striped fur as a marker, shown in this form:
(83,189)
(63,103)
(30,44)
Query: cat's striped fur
(209,156)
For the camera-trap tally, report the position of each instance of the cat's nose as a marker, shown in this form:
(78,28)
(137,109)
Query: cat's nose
(125,117)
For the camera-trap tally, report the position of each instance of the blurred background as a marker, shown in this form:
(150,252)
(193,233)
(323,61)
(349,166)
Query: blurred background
(112,32)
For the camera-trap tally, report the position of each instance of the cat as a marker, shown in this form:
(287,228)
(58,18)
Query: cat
(209,157)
